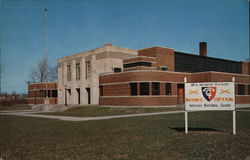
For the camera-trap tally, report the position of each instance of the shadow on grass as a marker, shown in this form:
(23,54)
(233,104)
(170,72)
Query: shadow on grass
(194,129)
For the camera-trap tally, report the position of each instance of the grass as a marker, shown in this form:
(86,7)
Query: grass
(95,111)
(138,138)
(15,107)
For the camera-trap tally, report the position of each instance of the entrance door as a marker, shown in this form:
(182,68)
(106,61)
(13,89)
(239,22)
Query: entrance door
(79,95)
(181,94)
(88,90)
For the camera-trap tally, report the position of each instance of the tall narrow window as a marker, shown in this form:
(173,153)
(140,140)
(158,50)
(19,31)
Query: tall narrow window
(155,88)
(101,90)
(68,72)
(168,88)
(41,93)
(241,89)
(133,89)
(144,88)
(78,71)
(49,93)
(248,89)
(88,69)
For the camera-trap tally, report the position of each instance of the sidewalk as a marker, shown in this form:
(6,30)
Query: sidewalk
(30,113)
(68,118)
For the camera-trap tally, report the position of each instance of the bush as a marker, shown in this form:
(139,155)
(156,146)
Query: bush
(13,102)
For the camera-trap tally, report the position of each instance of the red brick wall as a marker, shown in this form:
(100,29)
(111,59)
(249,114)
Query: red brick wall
(116,90)
(164,56)
(41,101)
(163,77)
(244,99)
(246,68)
(145,76)
(201,77)
(150,52)
(41,86)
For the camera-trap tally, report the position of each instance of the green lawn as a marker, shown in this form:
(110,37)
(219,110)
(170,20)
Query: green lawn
(94,111)
(136,138)
(15,107)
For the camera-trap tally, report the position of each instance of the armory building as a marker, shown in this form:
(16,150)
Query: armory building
(149,77)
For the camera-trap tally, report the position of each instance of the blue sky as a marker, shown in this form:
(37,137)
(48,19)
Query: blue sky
(78,25)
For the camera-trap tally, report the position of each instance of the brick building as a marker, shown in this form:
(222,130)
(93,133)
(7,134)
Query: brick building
(155,77)
(37,93)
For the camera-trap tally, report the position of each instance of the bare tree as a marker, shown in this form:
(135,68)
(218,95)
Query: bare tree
(38,73)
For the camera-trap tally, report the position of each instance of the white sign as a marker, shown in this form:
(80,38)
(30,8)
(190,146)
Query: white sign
(209,96)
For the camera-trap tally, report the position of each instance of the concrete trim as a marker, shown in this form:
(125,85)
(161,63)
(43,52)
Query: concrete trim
(127,82)
(151,71)
(142,57)
(221,73)
(141,96)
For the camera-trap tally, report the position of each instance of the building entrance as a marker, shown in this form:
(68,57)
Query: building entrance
(180,93)
(78,95)
(89,95)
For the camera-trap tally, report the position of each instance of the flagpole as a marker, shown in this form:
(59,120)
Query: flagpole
(46,51)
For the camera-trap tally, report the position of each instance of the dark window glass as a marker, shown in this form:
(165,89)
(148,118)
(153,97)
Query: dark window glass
(133,89)
(155,88)
(117,70)
(194,63)
(49,93)
(69,91)
(54,93)
(168,88)
(144,88)
(135,64)
(241,89)
(101,90)
(248,89)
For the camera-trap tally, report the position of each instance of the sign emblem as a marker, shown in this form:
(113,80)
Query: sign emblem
(208,93)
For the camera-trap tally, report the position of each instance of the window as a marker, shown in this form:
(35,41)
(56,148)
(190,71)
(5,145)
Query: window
(101,90)
(241,89)
(155,88)
(248,89)
(54,93)
(88,69)
(78,71)
(68,72)
(144,88)
(41,93)
(117,70)
(136,64)
(133,89)
(49,91)
(168,88)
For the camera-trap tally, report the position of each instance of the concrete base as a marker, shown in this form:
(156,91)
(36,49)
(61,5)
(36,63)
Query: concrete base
(46,102)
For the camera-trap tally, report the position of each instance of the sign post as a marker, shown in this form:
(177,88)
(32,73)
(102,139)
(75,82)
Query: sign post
(234,113)
(210,96)
(186,113)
